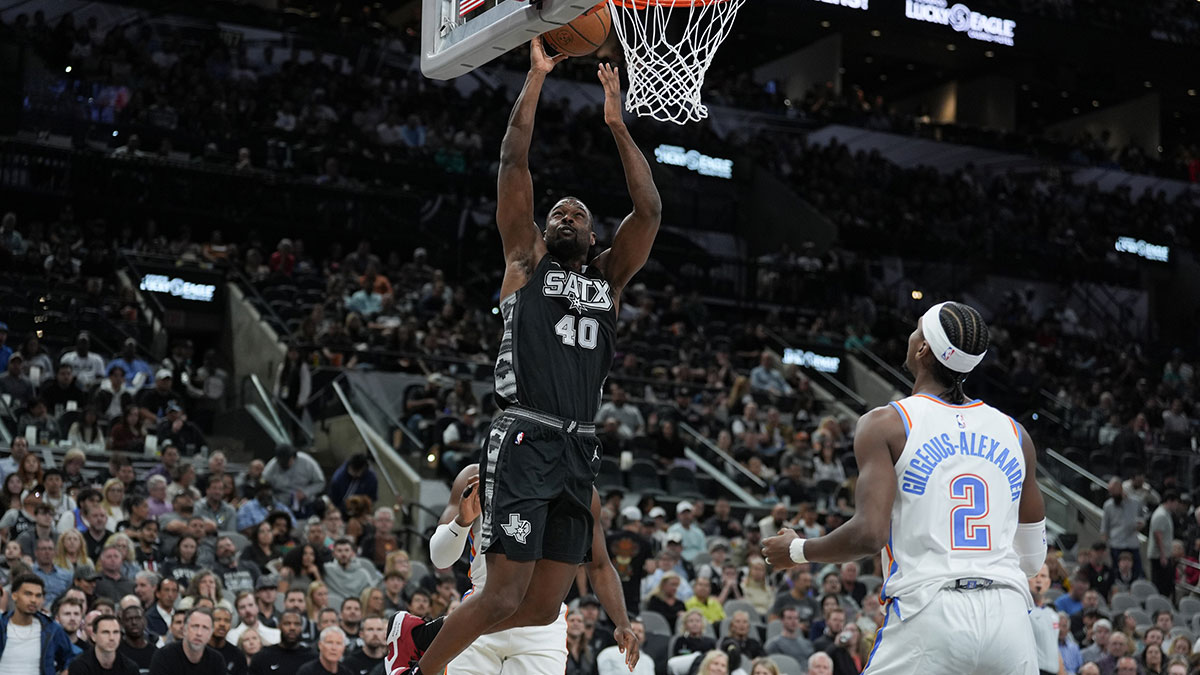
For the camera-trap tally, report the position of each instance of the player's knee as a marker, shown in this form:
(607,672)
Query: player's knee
(544,616)
(500,604)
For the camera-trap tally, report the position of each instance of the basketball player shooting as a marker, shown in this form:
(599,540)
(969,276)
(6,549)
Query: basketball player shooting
(947,489)
(560,314)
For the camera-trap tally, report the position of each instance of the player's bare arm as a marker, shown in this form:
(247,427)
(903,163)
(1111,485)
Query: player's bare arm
(607,585)
(1030,540)
(635,236)
(523,244)
(878,439)
(1032,508)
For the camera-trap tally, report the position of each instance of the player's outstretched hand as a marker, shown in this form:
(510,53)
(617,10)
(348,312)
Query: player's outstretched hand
(628,643)
(611,80)
(539,60)
(468,503)
(777,549)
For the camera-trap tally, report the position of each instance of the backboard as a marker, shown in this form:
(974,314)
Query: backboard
(458,36)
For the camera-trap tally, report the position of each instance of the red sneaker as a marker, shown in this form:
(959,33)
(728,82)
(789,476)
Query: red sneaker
(402,653)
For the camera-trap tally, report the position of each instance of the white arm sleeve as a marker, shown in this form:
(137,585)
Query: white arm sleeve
(1030,545)
(446,544)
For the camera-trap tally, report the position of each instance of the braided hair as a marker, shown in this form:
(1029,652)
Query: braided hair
(968,333)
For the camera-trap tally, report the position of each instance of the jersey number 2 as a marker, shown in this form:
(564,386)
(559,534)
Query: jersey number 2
(584,336)
(967,533)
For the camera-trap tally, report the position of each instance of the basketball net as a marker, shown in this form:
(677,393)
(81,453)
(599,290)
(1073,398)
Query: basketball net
(666,69)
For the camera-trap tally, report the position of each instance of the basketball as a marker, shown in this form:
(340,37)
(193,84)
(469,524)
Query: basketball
(583,35)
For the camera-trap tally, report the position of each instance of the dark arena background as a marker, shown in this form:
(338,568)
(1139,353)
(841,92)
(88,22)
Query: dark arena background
(249,306)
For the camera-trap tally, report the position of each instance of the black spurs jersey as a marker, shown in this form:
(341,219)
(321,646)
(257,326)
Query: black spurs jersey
(559,338)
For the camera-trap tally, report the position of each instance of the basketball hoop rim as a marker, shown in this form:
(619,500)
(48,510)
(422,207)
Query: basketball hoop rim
(670,4)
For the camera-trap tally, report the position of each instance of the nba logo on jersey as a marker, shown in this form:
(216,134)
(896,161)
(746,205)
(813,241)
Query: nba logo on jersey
(962,421)
(520,437)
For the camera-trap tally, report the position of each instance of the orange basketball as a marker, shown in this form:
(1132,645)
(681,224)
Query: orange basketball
(583,35)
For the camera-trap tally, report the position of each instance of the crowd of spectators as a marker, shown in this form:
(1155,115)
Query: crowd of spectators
(265,562)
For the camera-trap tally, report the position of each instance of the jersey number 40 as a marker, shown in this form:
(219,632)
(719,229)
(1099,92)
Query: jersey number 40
(966,532)
(585,335)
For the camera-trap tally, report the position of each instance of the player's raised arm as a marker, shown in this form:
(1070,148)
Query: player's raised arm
(607,585)
(446,544)
(867,531)
(635,236)
(1030,540)
(514,189)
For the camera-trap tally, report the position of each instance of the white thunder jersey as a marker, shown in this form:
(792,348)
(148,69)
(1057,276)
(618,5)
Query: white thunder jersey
(477,572)
(958,491)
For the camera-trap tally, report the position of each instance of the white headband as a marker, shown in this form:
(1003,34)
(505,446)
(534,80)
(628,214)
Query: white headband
(946,353)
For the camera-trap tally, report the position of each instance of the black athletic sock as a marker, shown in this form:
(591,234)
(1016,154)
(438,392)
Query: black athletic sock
(424,634)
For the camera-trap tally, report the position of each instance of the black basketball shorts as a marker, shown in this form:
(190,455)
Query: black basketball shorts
(536,473)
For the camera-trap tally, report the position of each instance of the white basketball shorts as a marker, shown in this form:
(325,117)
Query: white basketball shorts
(530,650)
(961,632)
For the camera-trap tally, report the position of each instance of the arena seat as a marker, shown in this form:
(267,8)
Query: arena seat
(1142,589)
(1156,603)
(643,478)
(655,623)
(774,630)
(732,606)
(681,482)
(787,665)
(1123,602)
(1139,616)
(1189,605)
(610,477)
(702,558)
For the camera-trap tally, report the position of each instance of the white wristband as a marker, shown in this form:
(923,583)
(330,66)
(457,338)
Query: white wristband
(457,529)
(796,551)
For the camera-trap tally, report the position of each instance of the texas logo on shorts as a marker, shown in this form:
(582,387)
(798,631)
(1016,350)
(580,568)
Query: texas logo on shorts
(516,527)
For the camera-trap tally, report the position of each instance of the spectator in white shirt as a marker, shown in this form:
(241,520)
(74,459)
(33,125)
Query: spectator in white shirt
(87,365)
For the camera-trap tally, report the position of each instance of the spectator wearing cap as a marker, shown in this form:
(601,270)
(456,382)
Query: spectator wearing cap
(294,476)
(87,365)
(154,399)
(5,351)
(138,373)
(266,589)
(353,477)
(86,577)
(691,535)
(460,440)
(256,510)
(63,389)
(15,384)
(178,429)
